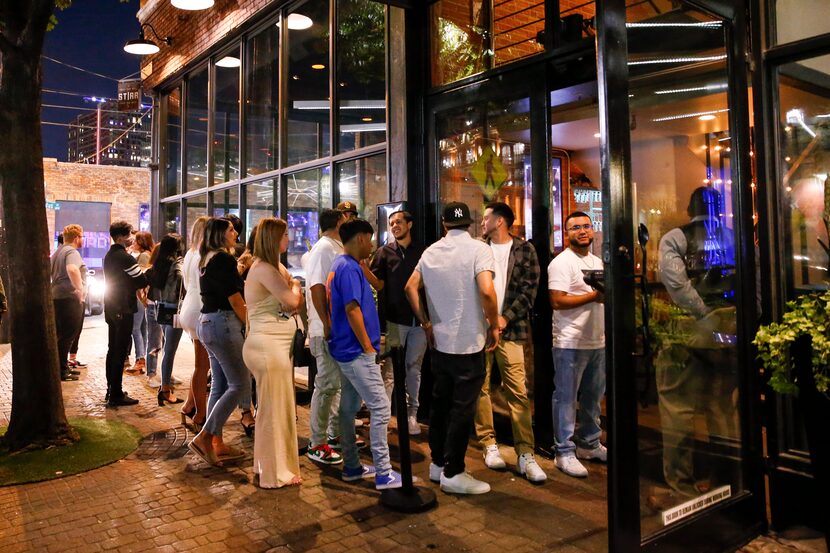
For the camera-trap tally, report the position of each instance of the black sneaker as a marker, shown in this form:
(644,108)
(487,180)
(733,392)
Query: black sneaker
(73,371)
(68,376)
(122,400)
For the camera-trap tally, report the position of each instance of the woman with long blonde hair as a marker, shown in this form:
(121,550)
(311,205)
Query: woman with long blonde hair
(273,298)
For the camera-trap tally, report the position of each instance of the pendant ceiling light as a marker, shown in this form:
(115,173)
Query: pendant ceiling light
(298,22)
(229,61)
(192,5)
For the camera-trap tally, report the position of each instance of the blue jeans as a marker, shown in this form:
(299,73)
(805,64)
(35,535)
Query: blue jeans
(325,399)
(155,339)
(172,336)
(362,380)
(140,332)
(579,373)
(414,339)
(221,334)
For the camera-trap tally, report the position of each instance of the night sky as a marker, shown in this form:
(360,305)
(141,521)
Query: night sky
(90,35)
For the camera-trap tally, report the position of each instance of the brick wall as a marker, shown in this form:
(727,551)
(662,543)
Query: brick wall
(123,187)
(193,32)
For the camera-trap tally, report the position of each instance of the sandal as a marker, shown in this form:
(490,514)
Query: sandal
(211,458)
(233,454)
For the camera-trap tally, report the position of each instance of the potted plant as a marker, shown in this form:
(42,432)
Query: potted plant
(796,354)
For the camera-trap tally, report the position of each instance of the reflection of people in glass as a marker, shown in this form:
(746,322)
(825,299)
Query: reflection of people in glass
(696,367)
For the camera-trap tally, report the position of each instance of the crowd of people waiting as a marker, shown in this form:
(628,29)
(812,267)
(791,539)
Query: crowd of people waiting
(467,301)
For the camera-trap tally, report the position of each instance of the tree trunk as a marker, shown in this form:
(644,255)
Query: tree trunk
(37,414)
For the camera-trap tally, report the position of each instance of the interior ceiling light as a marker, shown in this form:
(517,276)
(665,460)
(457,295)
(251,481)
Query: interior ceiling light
(682,59)
(143,46)
(366,119)
(596,135)
(707,117)
(229,61)
(698,25)
(688,115)
(192,5)
(298,22)
(318,66)
(707,88)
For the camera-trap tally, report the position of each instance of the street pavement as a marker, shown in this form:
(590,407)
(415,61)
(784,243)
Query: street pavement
(162,498)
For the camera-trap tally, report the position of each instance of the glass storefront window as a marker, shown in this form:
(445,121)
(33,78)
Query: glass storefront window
(307,193)
(792,22)
(173,149)
(195,207)
(516,25)
(262,104)
(309,100)
(226,202)
(196,139)
(363,182)
(478,166)
(459,39)
(226,118)
(361,73)
(688,409)
(260,202)
(171,217)
(804,161)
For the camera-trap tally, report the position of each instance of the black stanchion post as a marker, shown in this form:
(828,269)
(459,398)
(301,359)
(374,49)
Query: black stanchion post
(408,498)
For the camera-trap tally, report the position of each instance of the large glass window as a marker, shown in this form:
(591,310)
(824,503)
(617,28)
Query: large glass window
(173,149)
(226,202)
(309,100)
(307,193)
(516,26)
(262,107)
(197,130)
(363,182)
(195,207)
(804,161)
(460,45)
(226,118)
(171,217)
(792,21)
(688,415)
(260,202)
(361,73)
(484,156)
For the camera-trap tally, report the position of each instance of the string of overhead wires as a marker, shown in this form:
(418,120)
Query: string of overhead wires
(81,69)
(91,127)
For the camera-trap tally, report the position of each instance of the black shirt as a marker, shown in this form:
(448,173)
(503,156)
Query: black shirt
(124,277)
(218,281)
(394,265)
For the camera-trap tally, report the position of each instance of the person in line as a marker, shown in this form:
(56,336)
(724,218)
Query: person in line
(325,399)
(155,334)
(516,282)
(354,343)
(124,278)
(578,350)
(349,211)
(273,298)
(73,363)
(391,267)
(456,274)
(165,291)
(195,407)
(220,331)
(141,250)
(68,280)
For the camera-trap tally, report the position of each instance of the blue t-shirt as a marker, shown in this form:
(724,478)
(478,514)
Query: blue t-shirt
(345,284)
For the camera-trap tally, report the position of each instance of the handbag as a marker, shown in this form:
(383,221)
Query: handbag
(297,343)
(167,313)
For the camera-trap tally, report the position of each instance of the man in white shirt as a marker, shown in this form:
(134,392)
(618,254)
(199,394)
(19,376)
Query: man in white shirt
(456,274)
(325,400)
(578,350)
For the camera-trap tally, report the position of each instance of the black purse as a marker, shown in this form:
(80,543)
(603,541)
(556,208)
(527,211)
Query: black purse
(297,344)
(166,312)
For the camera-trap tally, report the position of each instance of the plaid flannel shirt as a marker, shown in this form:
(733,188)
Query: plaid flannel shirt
(520,293)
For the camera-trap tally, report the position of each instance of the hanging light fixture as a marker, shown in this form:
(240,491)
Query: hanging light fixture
(229,62)
(143,46)
(192,5)
(298,22)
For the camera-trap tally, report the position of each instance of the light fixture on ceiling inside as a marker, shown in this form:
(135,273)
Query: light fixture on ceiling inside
(298,22)
(192,5)
(229,62)
(143,46)
(596,135)
(706,117)
(366,119)
(318,66)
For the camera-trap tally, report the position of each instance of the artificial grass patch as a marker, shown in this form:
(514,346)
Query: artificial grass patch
(102,442)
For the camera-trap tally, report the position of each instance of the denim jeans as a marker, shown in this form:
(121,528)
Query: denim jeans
(221,334)
(172,336)
(578,373)
(362,380)
(325,399)
(140,332)
(155,339)
(414,339)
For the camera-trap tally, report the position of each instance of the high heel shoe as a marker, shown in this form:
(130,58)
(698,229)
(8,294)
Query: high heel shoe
(248,428)
(188,415)
(163,396)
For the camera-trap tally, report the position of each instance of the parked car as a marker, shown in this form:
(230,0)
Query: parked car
(94,294)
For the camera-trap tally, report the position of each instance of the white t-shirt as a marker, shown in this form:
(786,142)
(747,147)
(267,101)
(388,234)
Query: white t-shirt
(582,327)
(317,265)
(449,268)
(501,255)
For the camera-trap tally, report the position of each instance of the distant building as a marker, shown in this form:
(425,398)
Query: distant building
(117,133)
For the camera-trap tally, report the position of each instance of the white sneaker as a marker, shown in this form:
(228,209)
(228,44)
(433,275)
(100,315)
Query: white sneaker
(414,427)
(154,381)
(571,466)
(463,482)
(530,468)
(492,457)
(599,453)
(435,472)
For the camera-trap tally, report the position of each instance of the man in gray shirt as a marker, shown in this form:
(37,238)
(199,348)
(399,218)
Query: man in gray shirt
(68,278)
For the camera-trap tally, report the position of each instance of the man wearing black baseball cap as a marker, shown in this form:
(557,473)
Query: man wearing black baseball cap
(349,210)
(456,274)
